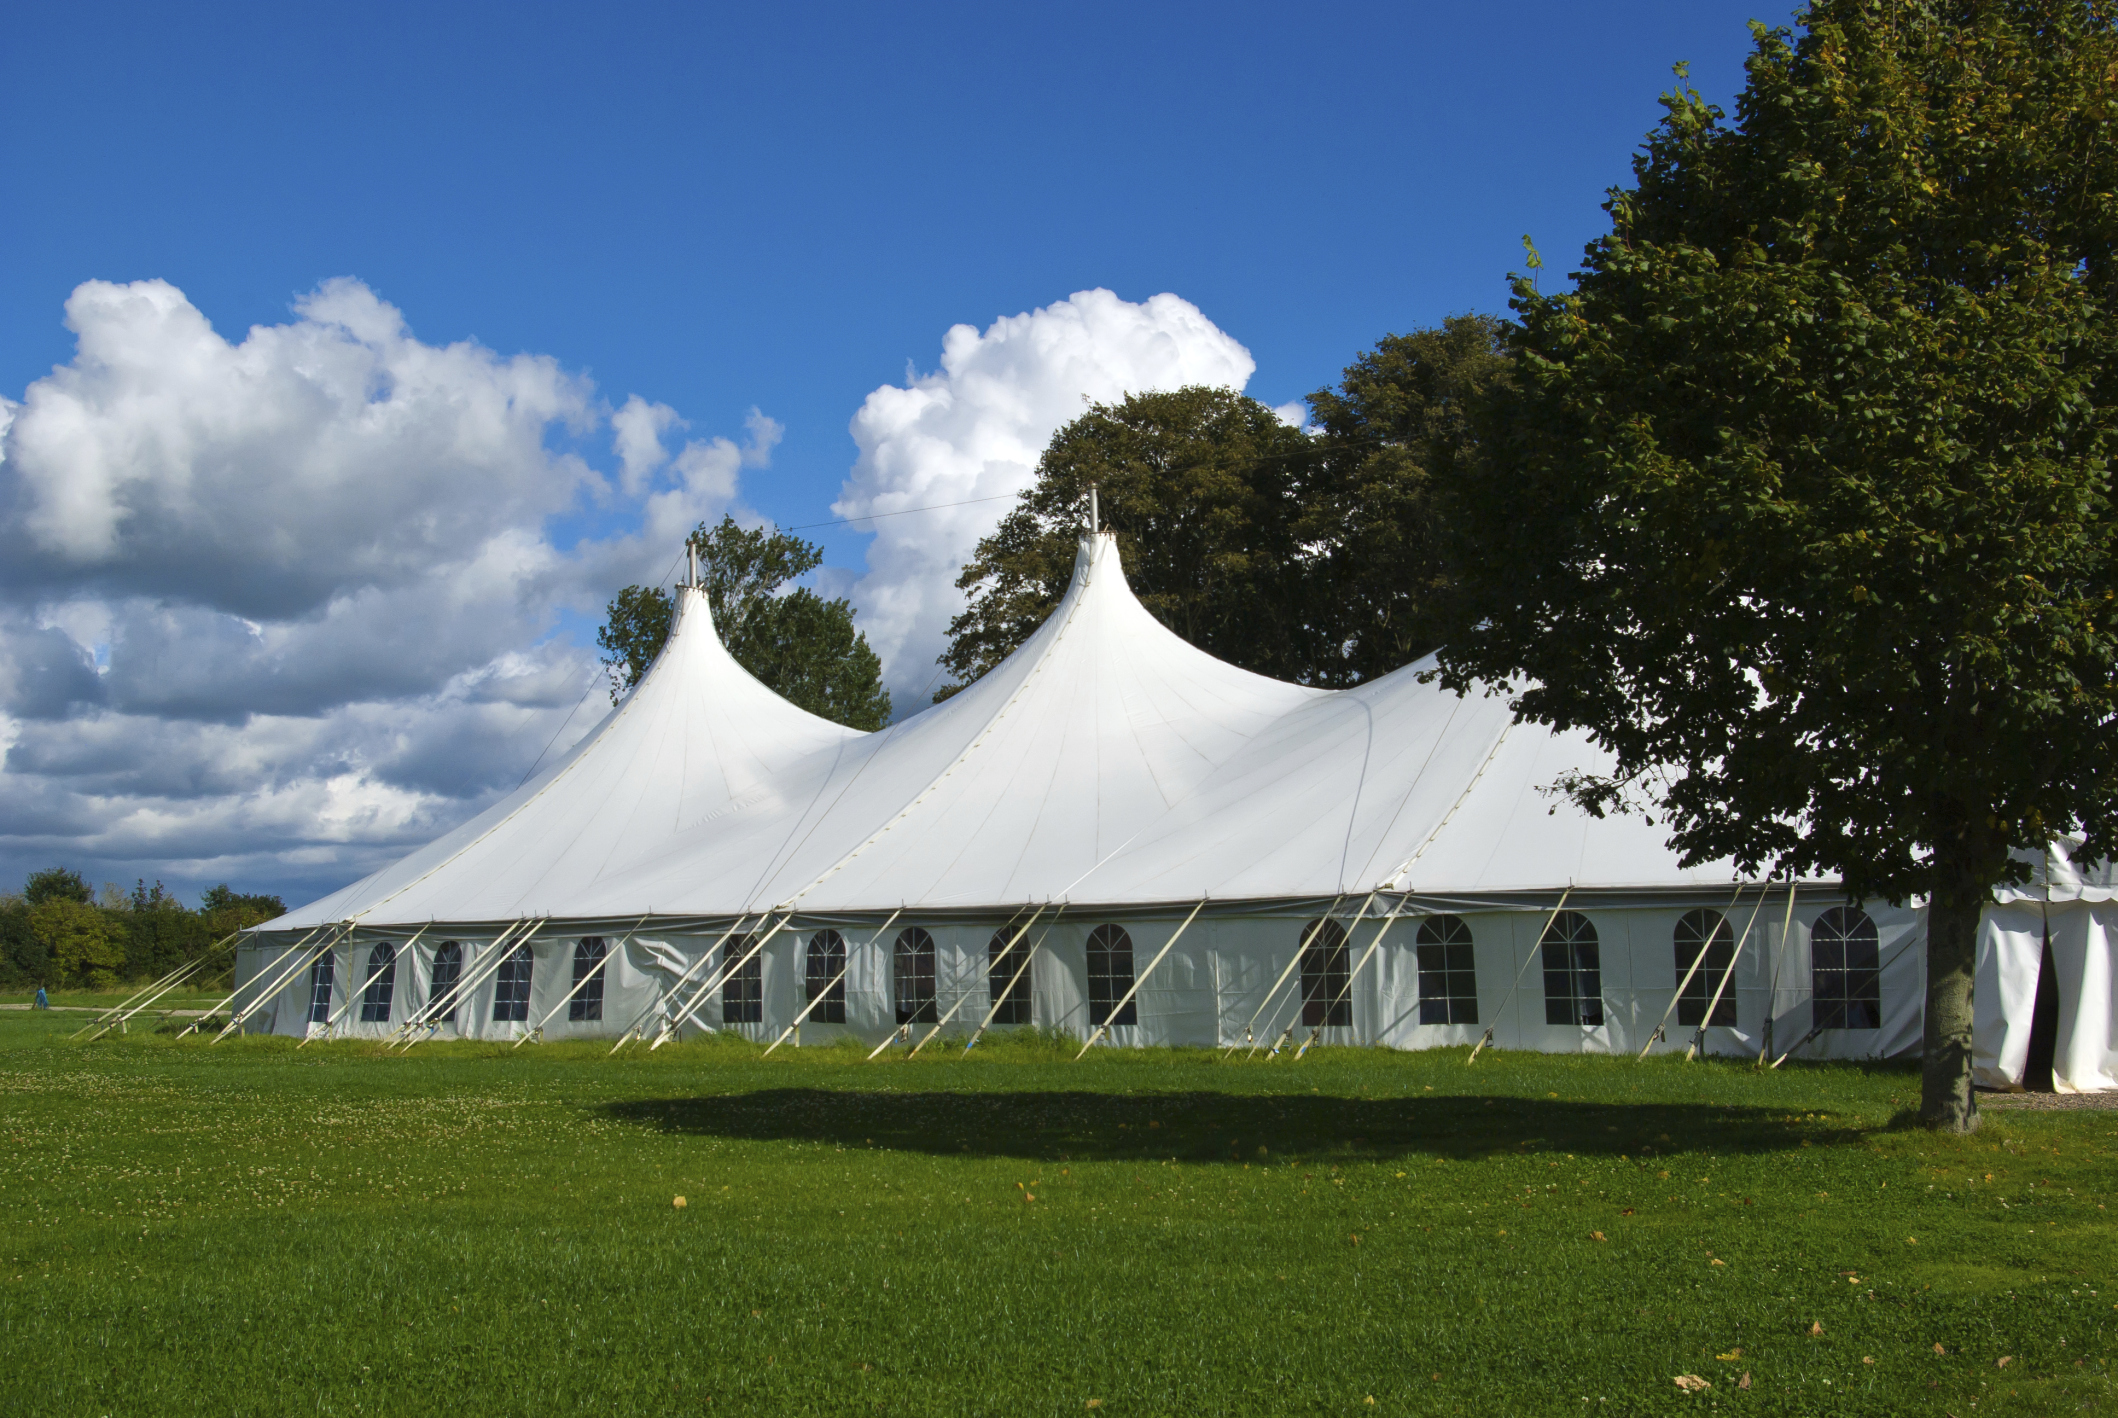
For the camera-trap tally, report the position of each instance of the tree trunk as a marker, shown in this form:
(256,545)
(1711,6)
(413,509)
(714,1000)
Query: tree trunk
(1946,1101)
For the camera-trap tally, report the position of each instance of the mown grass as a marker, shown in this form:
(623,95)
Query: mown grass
(247,1229)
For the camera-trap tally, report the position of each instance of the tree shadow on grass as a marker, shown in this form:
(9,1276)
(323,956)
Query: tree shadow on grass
(1229,1127)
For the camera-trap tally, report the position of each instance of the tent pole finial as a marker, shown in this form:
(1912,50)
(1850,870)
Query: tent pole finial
(1095,520)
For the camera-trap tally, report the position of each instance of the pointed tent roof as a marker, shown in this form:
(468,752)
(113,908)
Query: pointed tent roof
(1008,792)
(695,737)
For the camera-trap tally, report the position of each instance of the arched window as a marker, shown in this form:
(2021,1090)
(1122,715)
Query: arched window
(1706,931)
(589,954)
(1325,997)
(1003,964)
(824,975)
(382,984)
(1110,976)
(1573,971)
(448,969)
(743,988)
(1448,977)
(511,987)
(322,976)
(912,976)
(1845,970)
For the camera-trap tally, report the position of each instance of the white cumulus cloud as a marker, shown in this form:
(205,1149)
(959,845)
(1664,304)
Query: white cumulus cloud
(277,609)
(975,428)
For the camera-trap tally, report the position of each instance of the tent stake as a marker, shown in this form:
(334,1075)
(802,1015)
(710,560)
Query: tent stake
(1772,998)
(1693,969)
(822,994)
(1536,950)
(1698,1040)
(1139,980)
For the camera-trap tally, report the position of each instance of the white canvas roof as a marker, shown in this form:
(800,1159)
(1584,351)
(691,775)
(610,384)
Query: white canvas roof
(1105,761)
(696,736)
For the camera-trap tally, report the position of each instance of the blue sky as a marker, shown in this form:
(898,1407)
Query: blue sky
(720,210)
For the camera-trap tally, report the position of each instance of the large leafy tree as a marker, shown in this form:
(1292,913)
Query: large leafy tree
(1803,506)
(1202,488)
(1398,424)
(801,646)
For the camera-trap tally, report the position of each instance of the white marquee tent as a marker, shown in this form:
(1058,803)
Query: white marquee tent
(1114,830)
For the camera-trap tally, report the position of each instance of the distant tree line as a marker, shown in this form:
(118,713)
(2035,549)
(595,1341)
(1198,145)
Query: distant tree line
(58,933)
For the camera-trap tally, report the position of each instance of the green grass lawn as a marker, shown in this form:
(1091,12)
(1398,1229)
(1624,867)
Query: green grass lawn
(248,1229)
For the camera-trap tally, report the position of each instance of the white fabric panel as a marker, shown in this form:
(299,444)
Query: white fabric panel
(696,737)
(2082,1053)
(2004,991)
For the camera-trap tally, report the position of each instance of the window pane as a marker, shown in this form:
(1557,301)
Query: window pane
(511,986)
(1324,975)
(589,955)
(1110,976)
(824,974)
(382,984)
(322,976)
(448,969)
(1003,964)
(912,962)
(1448,979)
(1845,980)
(743,991)
(1704,933)
(1573,979)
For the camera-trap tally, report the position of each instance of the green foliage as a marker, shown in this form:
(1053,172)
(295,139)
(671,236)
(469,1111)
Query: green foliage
(1308,556)
(85,943)
(635,628)
(56,883)
(392,1234)
(799,645)
(1400,422)
(1202,488)
(1803,506)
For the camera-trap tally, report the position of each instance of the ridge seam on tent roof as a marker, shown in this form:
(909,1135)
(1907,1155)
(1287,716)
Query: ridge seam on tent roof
(1396,878)
(551,782)
(1088,575)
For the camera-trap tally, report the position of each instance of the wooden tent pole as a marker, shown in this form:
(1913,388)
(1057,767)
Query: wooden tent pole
(168,982)
(825,992)
(489,966)
(726,975)
(1020,971)
(237,1018)
(1536,949)
(432,1008)
(1772,998)
(1139,980)
(579,985)
(632,1031)
(1698,1040)
(1250,1029)
(362,989)
(1696,962)
(942,1022)
(1368,955)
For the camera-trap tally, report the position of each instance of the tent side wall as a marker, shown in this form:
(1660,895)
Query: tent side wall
(1204,993)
